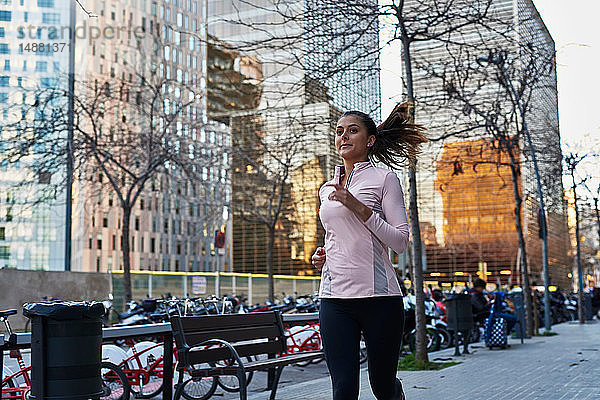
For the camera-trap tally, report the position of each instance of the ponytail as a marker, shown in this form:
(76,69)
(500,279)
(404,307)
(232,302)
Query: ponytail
(396,139)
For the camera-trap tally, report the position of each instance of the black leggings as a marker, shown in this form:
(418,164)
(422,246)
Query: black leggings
(381,320)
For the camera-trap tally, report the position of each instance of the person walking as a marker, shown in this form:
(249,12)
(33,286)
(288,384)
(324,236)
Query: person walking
(363,213)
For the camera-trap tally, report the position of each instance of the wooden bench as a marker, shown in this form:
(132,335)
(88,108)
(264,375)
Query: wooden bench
(228,339)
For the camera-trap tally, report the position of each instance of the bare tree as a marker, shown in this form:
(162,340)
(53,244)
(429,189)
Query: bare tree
(265,159)
(497,117)
(336,47)
(129,131)
(571,162)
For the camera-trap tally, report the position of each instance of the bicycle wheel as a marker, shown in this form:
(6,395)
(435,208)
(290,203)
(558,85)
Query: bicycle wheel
(433,340)
(230,383)
(444,337)
(199,389)
(114,382)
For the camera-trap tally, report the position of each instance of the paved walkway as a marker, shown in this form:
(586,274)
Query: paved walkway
(562,367)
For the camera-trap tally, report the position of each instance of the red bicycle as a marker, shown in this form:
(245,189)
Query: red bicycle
(15,385)
(302,339)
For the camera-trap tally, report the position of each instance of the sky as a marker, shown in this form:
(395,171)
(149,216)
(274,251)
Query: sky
(575,28)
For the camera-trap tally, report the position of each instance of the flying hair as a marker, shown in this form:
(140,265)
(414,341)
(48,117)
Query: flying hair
(397,140)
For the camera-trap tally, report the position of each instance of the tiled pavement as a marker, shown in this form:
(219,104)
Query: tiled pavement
(562,367)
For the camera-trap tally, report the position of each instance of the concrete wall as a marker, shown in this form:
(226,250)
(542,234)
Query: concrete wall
(21,286)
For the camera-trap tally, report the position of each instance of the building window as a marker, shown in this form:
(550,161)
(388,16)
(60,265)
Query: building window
(7,65)
(2,233)
(105,220)
(99,242)
(137,223)
(41,66)
(152,245)
(4,48)
(4,81)
(6,15)
(49,83)
(51,18)
(2,32)
(4,252)
(45,3)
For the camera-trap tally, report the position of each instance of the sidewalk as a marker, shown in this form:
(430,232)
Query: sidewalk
(565,367)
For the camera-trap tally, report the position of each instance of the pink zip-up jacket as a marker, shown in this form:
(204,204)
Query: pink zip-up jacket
(357,262)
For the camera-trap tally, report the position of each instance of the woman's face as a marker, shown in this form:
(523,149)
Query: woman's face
(351,139)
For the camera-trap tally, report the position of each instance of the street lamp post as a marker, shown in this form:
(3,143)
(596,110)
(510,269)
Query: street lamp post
(498,60)
(70,113)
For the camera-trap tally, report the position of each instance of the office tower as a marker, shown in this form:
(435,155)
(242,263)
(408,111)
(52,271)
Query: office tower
(305,80)
(32,236)
(466,199)
(174,222)
(117,46)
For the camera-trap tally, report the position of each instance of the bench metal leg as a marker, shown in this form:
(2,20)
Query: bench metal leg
(275,382)
(178,386)
(241,375)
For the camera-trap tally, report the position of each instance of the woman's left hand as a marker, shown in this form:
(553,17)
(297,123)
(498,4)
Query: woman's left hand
(342,195)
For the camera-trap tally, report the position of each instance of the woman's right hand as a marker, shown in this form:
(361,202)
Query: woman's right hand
(318,259)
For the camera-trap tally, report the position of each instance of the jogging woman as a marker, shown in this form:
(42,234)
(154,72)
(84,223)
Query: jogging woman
(363,213)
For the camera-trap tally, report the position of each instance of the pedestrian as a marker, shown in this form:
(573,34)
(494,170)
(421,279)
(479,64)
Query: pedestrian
(480,303)
(363,213)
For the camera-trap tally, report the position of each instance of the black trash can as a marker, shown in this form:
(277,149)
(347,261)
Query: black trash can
(459,312)
(66,350)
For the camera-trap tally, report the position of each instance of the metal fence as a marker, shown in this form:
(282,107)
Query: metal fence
(190,284)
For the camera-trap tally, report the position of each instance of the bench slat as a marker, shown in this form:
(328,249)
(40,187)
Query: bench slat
(193,338)
(260,365)
(198,356)
(227,321)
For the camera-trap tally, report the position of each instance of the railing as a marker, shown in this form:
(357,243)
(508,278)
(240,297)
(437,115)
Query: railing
(190,284)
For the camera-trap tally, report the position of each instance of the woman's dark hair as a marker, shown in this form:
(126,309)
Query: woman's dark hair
(396,140)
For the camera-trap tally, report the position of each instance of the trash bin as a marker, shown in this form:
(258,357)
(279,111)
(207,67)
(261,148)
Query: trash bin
(66,350)
(459,312)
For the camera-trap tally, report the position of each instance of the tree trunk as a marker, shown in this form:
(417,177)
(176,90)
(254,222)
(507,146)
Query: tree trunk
(125,248)
(597,216)
(270,245)
(421,342)
(579,269)
(522,245)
